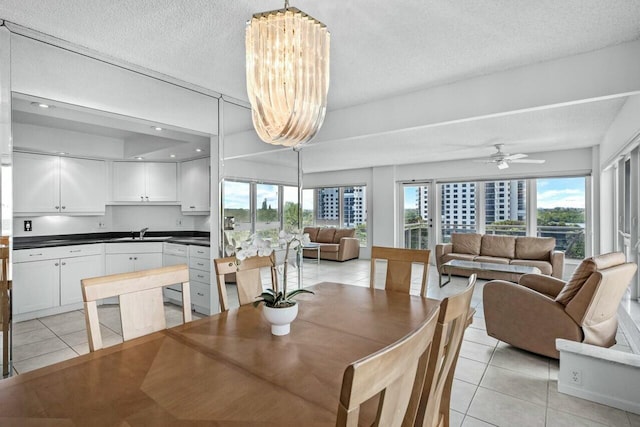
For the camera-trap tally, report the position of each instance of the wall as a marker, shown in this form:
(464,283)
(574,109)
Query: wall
(622,131)
(116,218)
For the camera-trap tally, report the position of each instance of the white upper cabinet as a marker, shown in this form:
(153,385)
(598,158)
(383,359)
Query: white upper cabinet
(195,185)
(144,182)
(83,185)
(50,184)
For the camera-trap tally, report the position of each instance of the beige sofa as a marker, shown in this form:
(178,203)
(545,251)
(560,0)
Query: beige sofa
(529,251)
(534,313)
(336,244)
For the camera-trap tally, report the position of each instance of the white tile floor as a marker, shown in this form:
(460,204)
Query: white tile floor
(495,384)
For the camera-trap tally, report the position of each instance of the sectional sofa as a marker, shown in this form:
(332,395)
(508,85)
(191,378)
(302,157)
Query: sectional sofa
(530,251)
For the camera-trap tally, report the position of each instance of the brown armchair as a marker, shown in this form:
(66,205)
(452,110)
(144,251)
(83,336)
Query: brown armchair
(533,313)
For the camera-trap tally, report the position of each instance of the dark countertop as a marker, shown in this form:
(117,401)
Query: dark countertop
(199,238)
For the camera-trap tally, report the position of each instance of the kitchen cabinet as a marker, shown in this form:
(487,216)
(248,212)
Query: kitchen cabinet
(195,185)
(174,254)
(47,281)
(53,184)
(144,182)
(200,279)
(128,257)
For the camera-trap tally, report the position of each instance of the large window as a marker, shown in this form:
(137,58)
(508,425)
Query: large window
(457,208)
(344,207)
(416,216)
(561,213)
(505,210)
(260,208)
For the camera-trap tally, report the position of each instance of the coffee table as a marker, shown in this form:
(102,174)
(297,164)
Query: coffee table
(315,246)
(484,266)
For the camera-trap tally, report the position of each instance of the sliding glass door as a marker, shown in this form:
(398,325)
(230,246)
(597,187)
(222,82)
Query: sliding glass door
(416,216)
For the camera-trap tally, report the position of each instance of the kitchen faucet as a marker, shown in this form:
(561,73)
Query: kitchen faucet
(144,230)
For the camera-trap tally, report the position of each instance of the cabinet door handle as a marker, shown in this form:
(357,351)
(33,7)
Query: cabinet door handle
(57,207)
(56,264)
(135,258)
(35,254)
(192,207)
(141,198)
(200,294)
(76,250)
(199,263)
(64,263)
(147,197)
(200,276)
(130,258)
(64,207)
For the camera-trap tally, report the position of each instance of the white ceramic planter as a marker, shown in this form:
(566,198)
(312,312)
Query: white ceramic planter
(280,318)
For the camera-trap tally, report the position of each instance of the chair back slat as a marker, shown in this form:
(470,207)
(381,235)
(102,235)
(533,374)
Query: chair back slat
(399,265)
(389,373)
(433,409)
(141,301)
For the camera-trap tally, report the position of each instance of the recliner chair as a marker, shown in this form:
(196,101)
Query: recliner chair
(531,314)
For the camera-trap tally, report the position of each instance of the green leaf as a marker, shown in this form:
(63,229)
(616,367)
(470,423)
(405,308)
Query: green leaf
(298,291)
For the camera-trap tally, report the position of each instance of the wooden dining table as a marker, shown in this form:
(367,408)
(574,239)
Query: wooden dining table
(223,370)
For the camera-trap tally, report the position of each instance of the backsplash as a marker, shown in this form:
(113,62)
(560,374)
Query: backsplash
(116,218)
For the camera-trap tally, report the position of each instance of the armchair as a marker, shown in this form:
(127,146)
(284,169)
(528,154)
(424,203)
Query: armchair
(534,312)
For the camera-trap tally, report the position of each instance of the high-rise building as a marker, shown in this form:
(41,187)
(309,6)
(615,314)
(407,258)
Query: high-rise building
(354,207)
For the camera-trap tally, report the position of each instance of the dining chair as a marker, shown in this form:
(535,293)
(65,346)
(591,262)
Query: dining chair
(453,319)
(248,278)
(390,374)
(141,301)
(399,263)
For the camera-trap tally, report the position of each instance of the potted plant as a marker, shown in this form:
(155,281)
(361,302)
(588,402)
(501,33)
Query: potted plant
(280,309)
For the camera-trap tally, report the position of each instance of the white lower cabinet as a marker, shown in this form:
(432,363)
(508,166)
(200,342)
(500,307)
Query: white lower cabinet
(72,271)
(128,257)
(47,281)
(36,286)
(197,257)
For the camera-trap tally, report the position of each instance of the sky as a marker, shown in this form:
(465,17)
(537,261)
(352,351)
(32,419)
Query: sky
(236,195)
(552,193)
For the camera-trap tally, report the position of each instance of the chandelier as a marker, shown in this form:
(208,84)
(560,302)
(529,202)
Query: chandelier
(287,75)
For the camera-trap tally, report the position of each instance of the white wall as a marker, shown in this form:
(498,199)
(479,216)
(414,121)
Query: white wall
(622,131)
(116,218)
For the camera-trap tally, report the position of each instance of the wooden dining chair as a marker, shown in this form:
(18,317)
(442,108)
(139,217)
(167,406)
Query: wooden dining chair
(399,263)
(434,403)
(248,278)
(390,374)
(141,301)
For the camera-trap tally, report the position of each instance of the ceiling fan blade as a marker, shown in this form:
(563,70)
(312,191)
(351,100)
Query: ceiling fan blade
(483,160)
(515,156)
(538,161)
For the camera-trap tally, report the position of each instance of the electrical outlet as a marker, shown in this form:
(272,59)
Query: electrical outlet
(102,224)
(27,225)
(575,377)
(179,222)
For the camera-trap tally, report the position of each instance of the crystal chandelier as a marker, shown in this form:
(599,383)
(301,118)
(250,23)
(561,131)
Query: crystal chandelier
(287,75)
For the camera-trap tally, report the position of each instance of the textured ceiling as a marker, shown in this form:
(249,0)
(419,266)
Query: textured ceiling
(378,48)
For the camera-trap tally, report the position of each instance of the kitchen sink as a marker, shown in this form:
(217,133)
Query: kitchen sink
(146,239)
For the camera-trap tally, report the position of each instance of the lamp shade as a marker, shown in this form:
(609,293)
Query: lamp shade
(287,75)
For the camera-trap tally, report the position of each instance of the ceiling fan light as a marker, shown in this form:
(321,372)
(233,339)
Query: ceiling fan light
(287,54)
(502,164)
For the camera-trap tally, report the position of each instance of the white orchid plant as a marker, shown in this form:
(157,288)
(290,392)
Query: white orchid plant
(256,246)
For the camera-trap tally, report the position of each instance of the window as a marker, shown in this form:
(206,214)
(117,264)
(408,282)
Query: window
(344,207)
(449,223)
(561,213)
(237,212)
(505,211)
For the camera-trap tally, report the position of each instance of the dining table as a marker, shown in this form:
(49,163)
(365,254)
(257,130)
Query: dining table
(223,370)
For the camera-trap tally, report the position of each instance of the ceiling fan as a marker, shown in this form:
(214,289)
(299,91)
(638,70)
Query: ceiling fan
(502,159)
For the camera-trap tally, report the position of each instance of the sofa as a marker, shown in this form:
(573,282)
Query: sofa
(336,244)
(516,250)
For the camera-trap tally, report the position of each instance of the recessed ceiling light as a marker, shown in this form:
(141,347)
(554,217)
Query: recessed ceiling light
(198,150)
(172,155)
(158,128)
(42,105)
(62,153)
(139,158)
